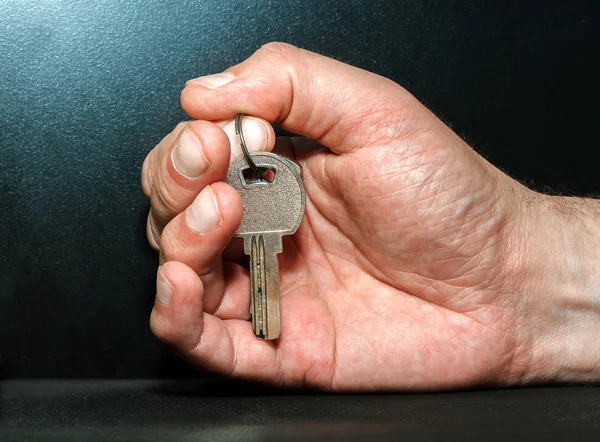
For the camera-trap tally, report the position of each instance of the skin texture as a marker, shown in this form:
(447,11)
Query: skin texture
(418,264)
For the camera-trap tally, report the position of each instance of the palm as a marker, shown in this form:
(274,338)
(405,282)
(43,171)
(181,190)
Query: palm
(368,292)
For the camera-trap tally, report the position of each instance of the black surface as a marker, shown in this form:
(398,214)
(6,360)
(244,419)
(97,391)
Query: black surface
(65,411)
(88,88)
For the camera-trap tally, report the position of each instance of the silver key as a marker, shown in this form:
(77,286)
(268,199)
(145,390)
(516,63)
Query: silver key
(271,210)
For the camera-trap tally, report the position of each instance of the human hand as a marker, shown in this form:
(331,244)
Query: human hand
(418,264)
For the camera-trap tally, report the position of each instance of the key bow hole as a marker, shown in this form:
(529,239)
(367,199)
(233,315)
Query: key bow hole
(266,175)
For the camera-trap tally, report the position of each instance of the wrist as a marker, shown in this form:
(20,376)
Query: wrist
(558,289)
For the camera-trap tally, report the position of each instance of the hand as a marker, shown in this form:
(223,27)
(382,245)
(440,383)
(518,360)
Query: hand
(418,265)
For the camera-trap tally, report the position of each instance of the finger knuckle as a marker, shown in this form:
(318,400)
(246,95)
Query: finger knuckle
(181,339)
(147,175)
(170,246)
(165,203)
(280,50)
(162,330)
(152,233)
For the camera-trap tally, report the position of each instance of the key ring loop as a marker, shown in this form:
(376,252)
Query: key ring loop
(249,160)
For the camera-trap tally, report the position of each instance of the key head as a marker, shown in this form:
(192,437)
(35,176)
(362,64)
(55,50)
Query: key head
(269,207)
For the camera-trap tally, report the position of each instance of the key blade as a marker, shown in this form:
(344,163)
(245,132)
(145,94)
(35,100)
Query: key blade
(264,284)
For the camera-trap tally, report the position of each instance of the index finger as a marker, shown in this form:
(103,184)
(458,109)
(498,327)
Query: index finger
(340,106)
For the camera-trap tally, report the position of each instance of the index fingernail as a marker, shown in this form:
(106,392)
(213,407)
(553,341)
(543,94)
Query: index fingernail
(213,81)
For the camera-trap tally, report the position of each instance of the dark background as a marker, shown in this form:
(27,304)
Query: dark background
(88,88)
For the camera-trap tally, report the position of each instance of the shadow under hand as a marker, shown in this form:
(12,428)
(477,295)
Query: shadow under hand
(217,387)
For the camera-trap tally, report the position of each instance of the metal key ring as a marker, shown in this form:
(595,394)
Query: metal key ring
(238,131)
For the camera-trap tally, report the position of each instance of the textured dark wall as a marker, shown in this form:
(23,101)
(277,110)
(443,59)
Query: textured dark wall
(88,88)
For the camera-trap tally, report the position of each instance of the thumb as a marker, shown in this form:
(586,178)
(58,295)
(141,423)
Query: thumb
(340,106)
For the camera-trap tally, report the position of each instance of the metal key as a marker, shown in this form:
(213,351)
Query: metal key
(271,210)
